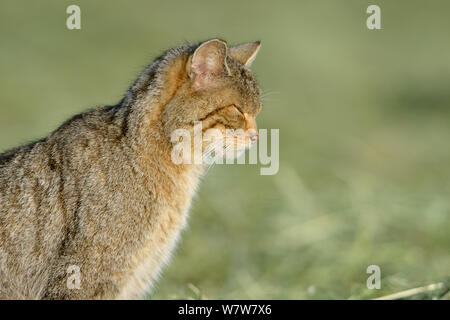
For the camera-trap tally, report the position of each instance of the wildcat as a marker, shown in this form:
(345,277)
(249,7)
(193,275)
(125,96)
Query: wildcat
(101,193)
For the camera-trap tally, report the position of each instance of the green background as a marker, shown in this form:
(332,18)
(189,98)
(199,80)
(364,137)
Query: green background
(364,119)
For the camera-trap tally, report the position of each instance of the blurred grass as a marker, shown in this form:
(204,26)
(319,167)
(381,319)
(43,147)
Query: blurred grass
(364,119)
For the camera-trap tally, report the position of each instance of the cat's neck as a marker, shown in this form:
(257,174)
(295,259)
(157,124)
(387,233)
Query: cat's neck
(153,155)
(146,101)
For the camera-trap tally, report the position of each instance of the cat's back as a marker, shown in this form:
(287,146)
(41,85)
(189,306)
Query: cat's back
(25,238)
(35,209)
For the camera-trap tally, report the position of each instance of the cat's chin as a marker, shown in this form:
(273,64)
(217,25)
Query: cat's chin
(222,159)
(240,152)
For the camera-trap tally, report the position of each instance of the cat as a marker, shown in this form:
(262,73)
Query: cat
(101,194)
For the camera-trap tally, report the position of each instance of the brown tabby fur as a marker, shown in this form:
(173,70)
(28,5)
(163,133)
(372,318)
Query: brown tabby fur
(102,193)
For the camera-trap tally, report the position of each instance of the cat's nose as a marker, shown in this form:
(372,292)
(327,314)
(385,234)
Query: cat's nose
(254,138)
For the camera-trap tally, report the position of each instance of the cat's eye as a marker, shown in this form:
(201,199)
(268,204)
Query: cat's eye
(238,109)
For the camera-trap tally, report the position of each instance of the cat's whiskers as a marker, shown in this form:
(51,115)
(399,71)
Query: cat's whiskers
(207,154)
(266,94)
(210,149)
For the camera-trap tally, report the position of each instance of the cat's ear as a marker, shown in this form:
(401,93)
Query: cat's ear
(245,53)
(208,62)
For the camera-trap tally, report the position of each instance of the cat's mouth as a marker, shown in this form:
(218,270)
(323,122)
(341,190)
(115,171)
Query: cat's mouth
(230,147)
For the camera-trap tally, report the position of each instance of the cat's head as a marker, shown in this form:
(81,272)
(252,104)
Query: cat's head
(217,90)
